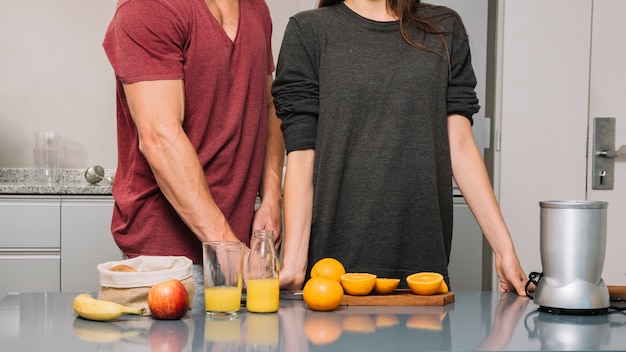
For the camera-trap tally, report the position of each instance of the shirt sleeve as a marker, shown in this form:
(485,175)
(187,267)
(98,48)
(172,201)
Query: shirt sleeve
(462,97)
(296,88)
(145,41)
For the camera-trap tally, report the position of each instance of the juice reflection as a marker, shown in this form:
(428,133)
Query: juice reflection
(262,329)
(222,330)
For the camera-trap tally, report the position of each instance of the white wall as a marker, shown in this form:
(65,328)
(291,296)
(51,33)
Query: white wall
(54,76)
(281,10)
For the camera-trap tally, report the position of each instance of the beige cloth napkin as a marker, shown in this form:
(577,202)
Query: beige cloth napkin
(131,288)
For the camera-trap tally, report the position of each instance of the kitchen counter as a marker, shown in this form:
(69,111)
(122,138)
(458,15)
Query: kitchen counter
(21,181)
(475,321)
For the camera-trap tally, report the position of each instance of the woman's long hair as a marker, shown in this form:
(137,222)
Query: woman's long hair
(409,15)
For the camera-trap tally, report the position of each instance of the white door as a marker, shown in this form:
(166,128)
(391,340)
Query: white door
(608,99)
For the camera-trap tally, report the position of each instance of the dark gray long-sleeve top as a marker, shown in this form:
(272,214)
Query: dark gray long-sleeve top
(375,110)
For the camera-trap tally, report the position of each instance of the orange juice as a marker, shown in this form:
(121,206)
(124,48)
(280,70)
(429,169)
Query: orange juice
(262,296)
(222,299)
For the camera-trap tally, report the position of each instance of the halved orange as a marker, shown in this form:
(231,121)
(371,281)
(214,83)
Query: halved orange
(328,267)
(358,284)
(385,285)
(444,287)
(425,283)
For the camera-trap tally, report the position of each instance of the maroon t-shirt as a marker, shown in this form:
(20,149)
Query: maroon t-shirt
(225,114)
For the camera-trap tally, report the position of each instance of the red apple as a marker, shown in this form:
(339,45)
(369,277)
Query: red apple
(168,300)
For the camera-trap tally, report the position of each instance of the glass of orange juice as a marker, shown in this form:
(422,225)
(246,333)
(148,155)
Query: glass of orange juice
(222,264)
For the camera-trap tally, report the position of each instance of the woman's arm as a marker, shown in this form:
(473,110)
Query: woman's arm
(471,176)
(298,214)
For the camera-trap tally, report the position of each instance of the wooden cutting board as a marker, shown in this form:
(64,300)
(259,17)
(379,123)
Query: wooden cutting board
(400,297)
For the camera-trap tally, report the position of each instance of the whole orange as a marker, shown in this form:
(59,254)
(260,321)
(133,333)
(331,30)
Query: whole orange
(328,267)
(322,293)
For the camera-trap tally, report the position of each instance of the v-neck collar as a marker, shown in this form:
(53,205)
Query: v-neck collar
(233,40)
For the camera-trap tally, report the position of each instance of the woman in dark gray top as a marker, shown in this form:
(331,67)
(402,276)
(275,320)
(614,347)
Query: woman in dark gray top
(377,118)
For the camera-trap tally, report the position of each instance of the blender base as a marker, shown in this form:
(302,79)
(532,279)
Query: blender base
(570,311)
(577,298)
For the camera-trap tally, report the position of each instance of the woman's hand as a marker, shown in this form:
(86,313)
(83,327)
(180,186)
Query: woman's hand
(290,280)
(510,274)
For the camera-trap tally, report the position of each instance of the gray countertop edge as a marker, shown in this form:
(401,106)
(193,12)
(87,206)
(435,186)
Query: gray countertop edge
(23,181)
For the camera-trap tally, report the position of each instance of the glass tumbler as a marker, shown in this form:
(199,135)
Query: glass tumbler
(222,265)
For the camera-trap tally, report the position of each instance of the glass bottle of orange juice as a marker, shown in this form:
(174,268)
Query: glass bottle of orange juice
(262,274)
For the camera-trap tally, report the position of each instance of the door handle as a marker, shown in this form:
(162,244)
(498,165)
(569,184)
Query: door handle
(620,153)
(604,153)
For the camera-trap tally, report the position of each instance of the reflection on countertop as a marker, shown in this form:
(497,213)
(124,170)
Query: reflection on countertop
(23,181)
(475,321)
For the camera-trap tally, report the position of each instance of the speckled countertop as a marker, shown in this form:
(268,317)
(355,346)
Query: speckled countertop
(23,181)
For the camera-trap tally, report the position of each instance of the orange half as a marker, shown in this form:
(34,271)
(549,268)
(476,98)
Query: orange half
(444,287)
(385,285)
(358,284)
(425,283)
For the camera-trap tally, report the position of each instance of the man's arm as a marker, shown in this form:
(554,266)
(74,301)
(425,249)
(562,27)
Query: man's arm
(157,108)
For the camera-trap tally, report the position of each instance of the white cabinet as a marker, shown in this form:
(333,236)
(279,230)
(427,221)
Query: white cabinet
(86,241)
(29,243)
(54,243)
(470,262)
(30,221)
(29,271)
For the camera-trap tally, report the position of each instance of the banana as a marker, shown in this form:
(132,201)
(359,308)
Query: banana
(102,333)
(100,310)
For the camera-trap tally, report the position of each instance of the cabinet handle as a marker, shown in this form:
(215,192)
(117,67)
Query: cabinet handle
(30,253)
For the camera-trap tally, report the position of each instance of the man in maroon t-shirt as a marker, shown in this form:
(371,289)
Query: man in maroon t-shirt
(198,138)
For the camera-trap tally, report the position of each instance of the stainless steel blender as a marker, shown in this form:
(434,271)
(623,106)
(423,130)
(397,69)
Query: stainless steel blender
(573,245)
